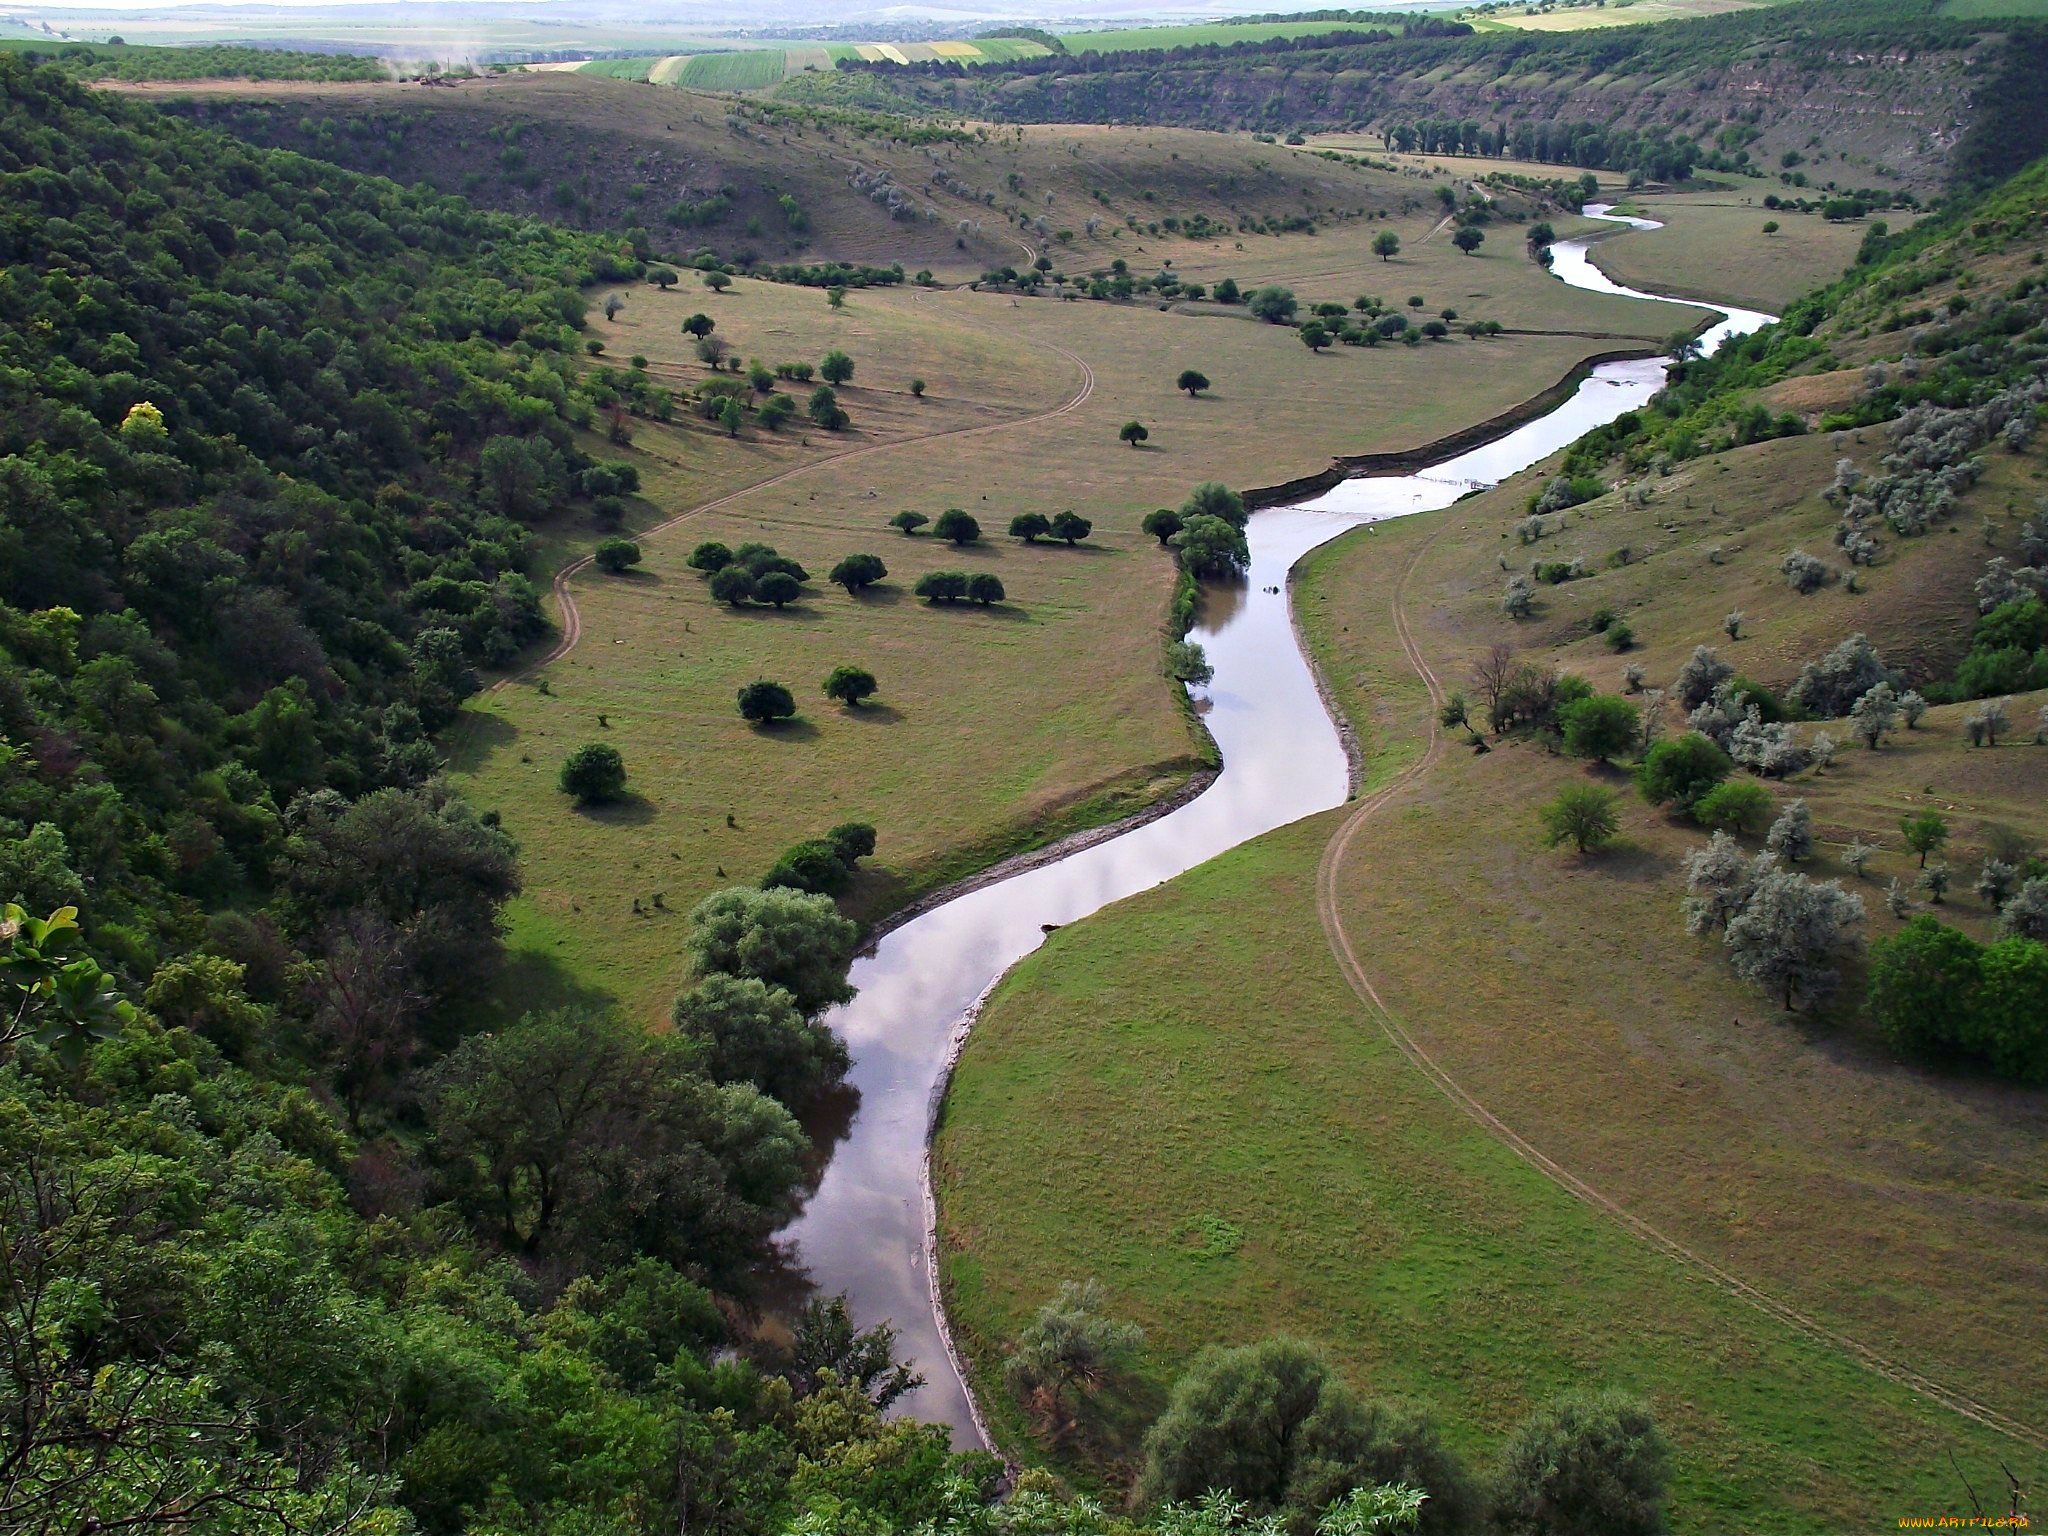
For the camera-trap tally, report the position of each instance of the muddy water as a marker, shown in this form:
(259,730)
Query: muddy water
(863,1231)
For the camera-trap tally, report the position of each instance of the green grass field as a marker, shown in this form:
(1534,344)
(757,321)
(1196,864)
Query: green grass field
(619,69)
(1198,34)
(1589,14)
(1713,243)
(745,71)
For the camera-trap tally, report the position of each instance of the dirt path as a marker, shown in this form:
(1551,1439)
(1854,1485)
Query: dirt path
(1330,910)
(565,599)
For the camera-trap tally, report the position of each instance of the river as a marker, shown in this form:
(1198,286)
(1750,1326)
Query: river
(864,1230)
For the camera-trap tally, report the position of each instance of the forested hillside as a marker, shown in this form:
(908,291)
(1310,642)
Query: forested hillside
(292,1238)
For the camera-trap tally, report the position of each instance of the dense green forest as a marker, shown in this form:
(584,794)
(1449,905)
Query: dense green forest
(207,61)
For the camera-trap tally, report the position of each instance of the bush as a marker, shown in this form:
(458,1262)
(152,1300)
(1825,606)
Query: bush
(909,522)
(858,572)
(765,703)
(1805,573)
(1939,994)
(1071,527)
(1619,635)
(1162,524)
(1030,526)
(732,584)
(835,367)
(777,587)
(1739,805)
(1681,770)
(984,589)
(709,557)
(617,555)
(824,409)
(742,1030)
(595,774)
(1583,1463)
(850,685)
(1273,304)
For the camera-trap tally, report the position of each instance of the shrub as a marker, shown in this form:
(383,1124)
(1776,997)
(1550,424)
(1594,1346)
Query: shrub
(1601,727)
(984,589)
(824,409)
(1030,526)
(836,367)
(710,556)
(1737,805)
(1938,993)
(909,522)
(1805,573)
(1273,304)
(857,572)
(732,584)
(594,773)
(617,555)
(764,703)
(1681,770)
(1619,635)
(1584,1462)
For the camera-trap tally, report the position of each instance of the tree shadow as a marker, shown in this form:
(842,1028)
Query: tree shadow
(798,729)
(793,614)
(532,980)
(873,714)
(629,810)
(636,577)
(881,596)
(476,736)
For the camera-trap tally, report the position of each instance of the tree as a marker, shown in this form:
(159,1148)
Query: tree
(739,1029)
(1071,527)
(984,588)
(1583,815)
(1314,335)
(1681,770)
(1923,984)
(777,587)
(732,584)
(824,409)
(813,865)
(1133,432)
(941,586)
(909,522)
(1601,727)
(1210,547)
(594,773)
(1540,235)
(1984,723)
(2025,915)
(1386,245)
(863,1360)
(732,416)
(1791,835)
(1187,662)
(1070,1346)
(616,555)
(1030,526)
(835,367)
(1584,1464)
(858,572)
(1770,226)
(709,557)
(663,278)
(917,388)
(1273,304)
(765,703)
(1924,833)
(1871,716)
(1193,380)
(1271,1424)
(1162,524)
(850,685)
(788,939)
(717,281)
(1468,238)
(613,303)
(957,526)
(1786,935)
(1702,673)
(699,326)
(1212,498)
(1827,688)
(523,477)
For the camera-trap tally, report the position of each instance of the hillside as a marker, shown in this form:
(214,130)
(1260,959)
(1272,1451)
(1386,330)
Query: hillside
(1440,1097)
(1889,88)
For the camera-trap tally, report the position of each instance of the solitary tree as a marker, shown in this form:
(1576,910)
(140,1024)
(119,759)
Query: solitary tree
(1193,380)
(1133,432)
(1187,662)
(1030,526)
(613,303)
(1871,716)
(856,572)
(1469,238)
(836,367)
(984,588)
(1162,524)
(850,685)
(663,278)
(595,774)
(1583,815)
(1386,245)
(1770,226)
(957,526)
(909,522)
(717,281)
(1071,527)
(699,325)
(1925,833)
(616,555)
(764,703)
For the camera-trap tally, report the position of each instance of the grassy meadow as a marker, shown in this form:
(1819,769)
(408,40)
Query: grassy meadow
(995,729)
(1714,243)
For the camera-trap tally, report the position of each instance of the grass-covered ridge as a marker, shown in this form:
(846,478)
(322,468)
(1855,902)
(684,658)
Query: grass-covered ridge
(207,61)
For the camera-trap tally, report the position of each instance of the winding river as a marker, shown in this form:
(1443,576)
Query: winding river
(864,1231)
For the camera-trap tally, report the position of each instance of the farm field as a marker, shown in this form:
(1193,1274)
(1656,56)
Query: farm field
(1250,1095)
(950,786)
(1588,14)
(1200,34)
